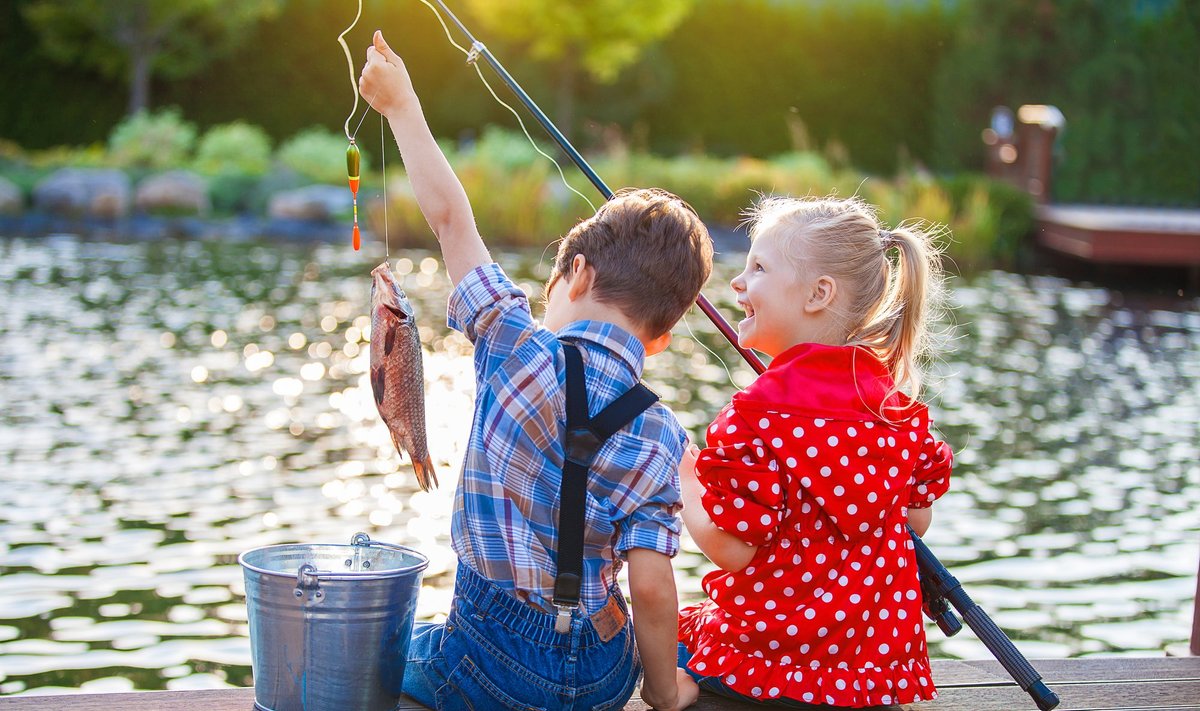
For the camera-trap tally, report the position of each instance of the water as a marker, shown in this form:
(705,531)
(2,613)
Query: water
(167,406)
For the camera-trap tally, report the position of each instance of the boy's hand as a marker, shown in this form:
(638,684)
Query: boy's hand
(384,82)
(687,692)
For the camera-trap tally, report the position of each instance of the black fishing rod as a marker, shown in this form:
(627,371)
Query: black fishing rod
(938,586)
(478,49)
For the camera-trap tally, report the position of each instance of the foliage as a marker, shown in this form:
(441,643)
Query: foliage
(602,36)
(525,204)
(139,38)
(318,154)
(235,147)
(1114,69)
(155,141)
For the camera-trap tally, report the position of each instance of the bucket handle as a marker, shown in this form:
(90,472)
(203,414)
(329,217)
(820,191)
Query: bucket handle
(362,539)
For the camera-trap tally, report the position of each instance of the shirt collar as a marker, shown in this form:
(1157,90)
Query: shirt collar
(623,344)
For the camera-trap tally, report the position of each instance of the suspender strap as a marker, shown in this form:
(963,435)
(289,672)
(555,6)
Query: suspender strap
(585,437)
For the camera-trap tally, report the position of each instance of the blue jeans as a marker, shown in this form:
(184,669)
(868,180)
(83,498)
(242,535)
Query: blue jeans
(496,652)
(716,686)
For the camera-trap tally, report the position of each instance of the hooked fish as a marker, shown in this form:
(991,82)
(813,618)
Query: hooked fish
(397,376)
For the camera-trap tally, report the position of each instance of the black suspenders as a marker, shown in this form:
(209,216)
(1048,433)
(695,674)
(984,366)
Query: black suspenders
(585,437)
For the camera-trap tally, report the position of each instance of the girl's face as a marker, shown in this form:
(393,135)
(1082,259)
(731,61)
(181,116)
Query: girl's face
(772,293)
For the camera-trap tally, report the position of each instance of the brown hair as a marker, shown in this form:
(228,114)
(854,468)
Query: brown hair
(891,299)
(651,253)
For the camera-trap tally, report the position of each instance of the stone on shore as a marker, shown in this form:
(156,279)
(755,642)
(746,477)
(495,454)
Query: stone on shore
(313,202)
(79,192)
(175,192)
(12,201)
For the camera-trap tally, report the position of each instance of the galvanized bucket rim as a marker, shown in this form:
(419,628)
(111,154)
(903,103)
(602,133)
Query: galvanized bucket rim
(417,567)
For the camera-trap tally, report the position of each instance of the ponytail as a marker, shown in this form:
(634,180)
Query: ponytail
(897,327)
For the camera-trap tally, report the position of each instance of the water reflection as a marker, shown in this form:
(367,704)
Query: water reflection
(170,405)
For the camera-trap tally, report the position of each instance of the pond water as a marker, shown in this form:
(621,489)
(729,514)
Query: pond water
(169,405)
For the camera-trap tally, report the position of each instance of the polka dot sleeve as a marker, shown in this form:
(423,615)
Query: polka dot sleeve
(743,493)
(932,474)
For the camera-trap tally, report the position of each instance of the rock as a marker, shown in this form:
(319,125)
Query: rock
(176,192)
(93,192)
(314,202)
(12,201)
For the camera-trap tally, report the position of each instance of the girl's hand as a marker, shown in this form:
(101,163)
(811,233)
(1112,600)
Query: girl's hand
(687,465)
(384,82)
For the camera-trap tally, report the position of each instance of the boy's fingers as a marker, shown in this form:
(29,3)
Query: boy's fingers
(382,47)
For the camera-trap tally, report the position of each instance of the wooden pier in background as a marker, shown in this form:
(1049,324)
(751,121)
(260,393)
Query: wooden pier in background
(1096,684)
(1122,235)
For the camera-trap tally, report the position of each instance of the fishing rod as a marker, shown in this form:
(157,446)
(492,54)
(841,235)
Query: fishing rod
(478,49)
(938,586)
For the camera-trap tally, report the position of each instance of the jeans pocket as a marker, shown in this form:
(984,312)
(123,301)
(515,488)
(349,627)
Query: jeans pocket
(468,689)
(615,689)
(623,693)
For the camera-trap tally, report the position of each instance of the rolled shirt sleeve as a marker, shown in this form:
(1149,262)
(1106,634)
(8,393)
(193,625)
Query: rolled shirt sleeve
(932,475)
(655,524)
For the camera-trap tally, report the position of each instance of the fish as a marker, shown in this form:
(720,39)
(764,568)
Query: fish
(397,372)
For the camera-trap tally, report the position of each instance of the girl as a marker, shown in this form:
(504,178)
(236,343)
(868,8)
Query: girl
(810,474)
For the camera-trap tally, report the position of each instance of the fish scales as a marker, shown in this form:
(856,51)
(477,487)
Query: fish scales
(397,373)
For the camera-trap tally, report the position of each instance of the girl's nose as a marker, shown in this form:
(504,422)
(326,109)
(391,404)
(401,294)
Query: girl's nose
(738,283)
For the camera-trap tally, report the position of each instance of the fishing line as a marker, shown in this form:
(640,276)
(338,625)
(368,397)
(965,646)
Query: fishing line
(720,360)
(387,253)
(353,84)
(471,60)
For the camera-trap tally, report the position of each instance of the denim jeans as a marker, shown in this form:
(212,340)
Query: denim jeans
(496,652)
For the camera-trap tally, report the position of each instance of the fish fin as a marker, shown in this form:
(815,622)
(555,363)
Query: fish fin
(426,475)
(389,341)
(377,383)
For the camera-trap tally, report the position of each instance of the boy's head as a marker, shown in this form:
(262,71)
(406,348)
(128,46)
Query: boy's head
(650,252)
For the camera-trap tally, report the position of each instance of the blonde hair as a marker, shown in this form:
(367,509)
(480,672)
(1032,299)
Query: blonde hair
(891,299)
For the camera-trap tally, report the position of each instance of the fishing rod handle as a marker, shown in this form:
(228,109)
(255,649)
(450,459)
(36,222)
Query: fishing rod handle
(1009,656)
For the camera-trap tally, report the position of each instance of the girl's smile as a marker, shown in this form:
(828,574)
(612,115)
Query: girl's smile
(783,304)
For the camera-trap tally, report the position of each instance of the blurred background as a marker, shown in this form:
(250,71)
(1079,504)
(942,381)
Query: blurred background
(185,329)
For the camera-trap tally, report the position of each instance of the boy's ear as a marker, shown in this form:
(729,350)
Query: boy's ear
(821,296)
(582,276)
(657,345)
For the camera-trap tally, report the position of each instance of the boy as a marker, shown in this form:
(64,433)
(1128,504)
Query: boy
(516,636)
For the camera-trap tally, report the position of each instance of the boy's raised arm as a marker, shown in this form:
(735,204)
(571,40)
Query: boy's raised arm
(385,84)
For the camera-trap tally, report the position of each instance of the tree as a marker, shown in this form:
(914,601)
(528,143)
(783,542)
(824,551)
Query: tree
(601,37)
(142,38)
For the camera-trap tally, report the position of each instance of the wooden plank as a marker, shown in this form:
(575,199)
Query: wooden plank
(983,685)
(1053,671)
(1094,696)
(205,699)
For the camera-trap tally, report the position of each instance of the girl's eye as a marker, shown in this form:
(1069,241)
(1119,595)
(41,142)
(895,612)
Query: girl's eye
(758,267)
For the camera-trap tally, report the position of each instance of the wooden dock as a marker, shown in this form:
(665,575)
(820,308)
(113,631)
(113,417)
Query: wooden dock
(1122,235)
(1095,684)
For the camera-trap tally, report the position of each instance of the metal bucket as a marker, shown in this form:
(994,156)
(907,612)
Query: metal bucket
(330,624)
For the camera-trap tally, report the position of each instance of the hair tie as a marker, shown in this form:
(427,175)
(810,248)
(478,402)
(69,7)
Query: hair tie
(887,239)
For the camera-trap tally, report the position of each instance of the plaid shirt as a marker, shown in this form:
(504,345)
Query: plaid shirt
(506,505)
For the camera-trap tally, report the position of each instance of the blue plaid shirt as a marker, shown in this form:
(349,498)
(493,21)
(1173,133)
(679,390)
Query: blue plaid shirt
(506,505)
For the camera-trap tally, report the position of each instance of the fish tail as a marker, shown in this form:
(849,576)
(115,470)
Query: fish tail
(426,475)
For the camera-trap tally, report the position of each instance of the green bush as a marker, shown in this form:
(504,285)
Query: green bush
(234,147)
(233,193)
(318,154)
(153,141)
